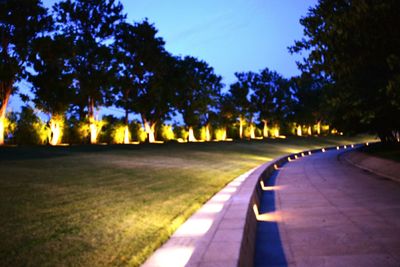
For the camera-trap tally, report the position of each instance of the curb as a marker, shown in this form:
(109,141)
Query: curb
(223,231)
(380,165)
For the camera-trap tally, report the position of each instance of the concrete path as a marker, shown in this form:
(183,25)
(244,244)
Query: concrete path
(330,213)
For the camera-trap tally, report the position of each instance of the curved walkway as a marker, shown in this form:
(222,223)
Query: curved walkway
(330,213)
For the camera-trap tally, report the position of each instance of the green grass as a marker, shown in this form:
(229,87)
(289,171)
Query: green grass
(387,151)
(114,205)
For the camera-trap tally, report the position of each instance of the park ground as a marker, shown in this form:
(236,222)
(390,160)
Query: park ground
(113,205)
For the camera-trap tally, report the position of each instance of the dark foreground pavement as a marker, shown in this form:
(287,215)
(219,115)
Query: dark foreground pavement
(326,212)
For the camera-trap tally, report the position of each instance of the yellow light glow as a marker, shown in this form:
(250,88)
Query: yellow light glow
(302,154)
(167,132)
(150,129)
(56,125)
(2,123)
(269,188)
(120,134)
(191,137)
(367,144)
(289,159)
(220,134)
(299,131)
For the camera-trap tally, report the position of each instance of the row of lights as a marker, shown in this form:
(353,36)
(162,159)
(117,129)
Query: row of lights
(263,217)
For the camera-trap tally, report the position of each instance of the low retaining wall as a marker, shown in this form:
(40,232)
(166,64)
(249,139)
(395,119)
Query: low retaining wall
(223,231)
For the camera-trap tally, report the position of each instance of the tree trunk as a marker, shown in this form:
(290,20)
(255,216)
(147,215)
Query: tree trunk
(149,128)
(265,129)
(126,135)
(299,131)
(318,127)
(309,130)
(191,137)
(252,131)
(208,135)
(7,93)
(92,122)
(241,127)
(276,131)
(55,129)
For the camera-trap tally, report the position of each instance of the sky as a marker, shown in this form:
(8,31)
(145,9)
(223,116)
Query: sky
(230,35)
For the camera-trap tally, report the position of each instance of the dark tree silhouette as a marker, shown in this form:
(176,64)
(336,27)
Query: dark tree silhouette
(91,25)
(20,23)
(355,46)
(271,98)
(240,95)
(52,80)
(145,77)
(197,93)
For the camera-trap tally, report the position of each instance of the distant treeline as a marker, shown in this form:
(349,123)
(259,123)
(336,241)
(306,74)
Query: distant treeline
(84,55)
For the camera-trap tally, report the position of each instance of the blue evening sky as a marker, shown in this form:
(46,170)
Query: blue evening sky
(231,35)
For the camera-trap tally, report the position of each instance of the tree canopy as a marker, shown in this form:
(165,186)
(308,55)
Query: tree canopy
(355,47)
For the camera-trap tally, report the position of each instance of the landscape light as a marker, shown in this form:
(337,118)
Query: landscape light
(323,150)
(337,148)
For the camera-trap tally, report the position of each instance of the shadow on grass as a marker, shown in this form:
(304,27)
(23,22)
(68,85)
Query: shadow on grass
(269,249)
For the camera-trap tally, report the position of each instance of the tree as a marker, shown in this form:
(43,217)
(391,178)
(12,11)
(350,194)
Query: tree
(20,23)
(308,104)
(355,47)
(91,25)
(52,81)
(197,92)
(270,98)
(145,77)
(240,94)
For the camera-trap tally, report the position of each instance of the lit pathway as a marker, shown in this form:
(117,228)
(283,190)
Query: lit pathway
(330,213)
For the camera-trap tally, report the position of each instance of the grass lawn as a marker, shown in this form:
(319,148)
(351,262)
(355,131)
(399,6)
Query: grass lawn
(113,205)
(391,151)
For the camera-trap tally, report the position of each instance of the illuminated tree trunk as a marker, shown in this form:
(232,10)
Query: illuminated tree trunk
(223,137)
(318,127)
(92,122)
(126,135)
(309,130)
(55,130)
(265,129)
(150,128)
(252,131)
(7,93)
(126,131)
(299,132)
(241,121)
(208,135)
(191,137)
(276,131)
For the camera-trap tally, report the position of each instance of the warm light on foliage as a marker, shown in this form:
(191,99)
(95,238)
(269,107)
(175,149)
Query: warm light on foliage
(121,134)
(167,132)
(274,131)
(42,131)
(220,134)
(56,130)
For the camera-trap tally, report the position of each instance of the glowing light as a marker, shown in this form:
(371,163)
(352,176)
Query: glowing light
(367,144)
(167,132)
(220,134)
(191,137)
(352,146)
(302,154)
(121,135)
(276,167)
(269,188)
(337,148)
(150,131)
(345,147)
(252,131)
(94,128)
(266,217)
(2,122)
(309,153)
(323,150)
(309,132)
(56,125)
(295,156)
(299,131)
(289,159)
